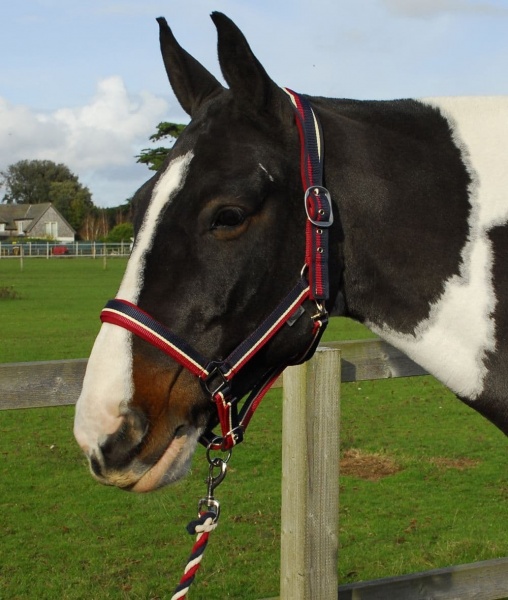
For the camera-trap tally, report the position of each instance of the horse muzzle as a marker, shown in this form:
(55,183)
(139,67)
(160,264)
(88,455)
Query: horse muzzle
(128,458)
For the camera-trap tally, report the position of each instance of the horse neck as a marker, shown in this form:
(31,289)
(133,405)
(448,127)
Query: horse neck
(400,187)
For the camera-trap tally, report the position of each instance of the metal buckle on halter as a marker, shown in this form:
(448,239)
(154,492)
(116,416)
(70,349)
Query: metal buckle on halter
(215,381)
(324,216)
(235,436)
(321,311)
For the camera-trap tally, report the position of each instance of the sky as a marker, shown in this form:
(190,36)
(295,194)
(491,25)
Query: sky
(82,83)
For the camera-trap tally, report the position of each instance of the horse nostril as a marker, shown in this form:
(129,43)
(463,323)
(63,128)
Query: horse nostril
(121,447)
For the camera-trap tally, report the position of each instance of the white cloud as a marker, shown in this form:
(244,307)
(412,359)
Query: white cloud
(97,141)
(430,8)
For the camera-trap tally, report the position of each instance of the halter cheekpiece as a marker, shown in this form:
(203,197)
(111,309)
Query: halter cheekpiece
(216,376)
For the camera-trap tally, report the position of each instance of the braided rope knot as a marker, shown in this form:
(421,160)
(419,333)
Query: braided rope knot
(206,523)
(202,526)
(208,517)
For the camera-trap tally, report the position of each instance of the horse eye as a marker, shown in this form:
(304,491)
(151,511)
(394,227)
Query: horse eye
(231,216)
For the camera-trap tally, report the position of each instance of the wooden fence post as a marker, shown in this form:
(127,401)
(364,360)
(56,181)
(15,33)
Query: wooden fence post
(310,478)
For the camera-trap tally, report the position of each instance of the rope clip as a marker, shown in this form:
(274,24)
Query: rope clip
(209,503)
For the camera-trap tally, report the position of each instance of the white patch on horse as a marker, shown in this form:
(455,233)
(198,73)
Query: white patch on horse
(453,342)
(168,184)
(264,169)
(107,386)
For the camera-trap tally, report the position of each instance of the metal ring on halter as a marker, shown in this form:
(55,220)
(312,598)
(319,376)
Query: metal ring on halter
(210,448)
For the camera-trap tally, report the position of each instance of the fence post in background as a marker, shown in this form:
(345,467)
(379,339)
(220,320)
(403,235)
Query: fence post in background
(310,478)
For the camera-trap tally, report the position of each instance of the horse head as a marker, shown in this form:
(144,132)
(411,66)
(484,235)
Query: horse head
(219,242)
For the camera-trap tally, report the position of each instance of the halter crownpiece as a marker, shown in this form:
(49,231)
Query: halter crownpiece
(318,203)
(216,376)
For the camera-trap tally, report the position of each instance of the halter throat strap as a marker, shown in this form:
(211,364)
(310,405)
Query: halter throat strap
(216,376)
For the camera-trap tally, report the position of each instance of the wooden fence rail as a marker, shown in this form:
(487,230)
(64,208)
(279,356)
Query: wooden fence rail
(41,384)
(487,580)
(58,383)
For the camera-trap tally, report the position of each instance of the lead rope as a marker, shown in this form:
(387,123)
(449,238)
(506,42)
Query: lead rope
(207,521)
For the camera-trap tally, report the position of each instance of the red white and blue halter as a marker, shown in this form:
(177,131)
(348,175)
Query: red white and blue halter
(217,376)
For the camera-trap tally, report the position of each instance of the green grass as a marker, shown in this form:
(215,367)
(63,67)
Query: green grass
(64,536)
(448,503)
(51,308)
(55,311)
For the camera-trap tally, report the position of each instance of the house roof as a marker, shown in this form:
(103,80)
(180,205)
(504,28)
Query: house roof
(10,213)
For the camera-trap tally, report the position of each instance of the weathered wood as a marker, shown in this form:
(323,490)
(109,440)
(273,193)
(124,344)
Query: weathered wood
(374,359)
(486,580)
(371,359)
(310,478)
(38,384)
(57,383)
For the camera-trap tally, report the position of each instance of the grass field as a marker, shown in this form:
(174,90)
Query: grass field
(52,307)
(55,311)
(424,481)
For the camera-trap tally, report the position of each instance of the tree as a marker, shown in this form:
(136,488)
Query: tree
(72,200)
(116,215)
(95,225)
(155,157)
(121,233)
(29,181)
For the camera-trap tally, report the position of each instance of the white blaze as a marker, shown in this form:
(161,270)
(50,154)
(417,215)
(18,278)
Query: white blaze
(107,386)
(452,343)
(167,185)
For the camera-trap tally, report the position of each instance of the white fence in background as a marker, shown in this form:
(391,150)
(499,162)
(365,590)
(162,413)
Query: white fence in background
(58,250)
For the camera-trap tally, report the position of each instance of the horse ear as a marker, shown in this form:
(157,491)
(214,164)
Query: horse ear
(191,82)
(244,74)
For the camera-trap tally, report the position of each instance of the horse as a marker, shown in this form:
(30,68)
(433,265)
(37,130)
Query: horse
(232,275)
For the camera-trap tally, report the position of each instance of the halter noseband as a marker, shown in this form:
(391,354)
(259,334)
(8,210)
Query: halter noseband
(216,376)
